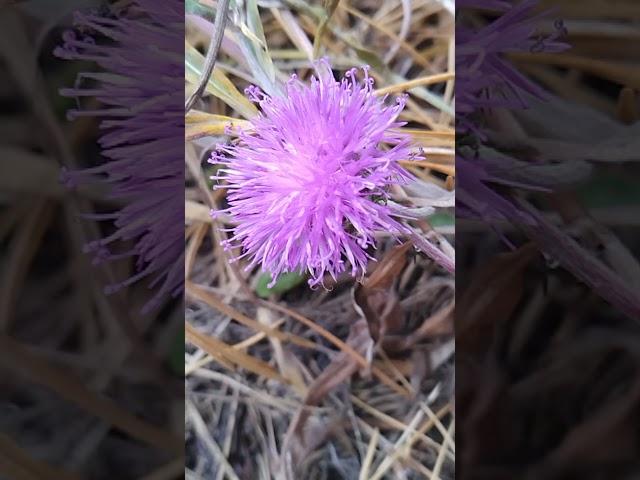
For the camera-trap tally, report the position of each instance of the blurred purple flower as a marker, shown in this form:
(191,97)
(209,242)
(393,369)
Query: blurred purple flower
(308,183)
(140,91)
(485,79)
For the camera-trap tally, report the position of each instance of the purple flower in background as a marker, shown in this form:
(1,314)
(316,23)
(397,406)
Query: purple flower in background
(485,79)
(308,182)
(141,95)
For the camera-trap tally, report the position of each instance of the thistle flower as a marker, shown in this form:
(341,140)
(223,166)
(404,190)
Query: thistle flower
(485,78)
(308,183)
(142,122)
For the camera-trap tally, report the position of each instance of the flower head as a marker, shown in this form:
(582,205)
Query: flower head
(142,122)
(308,182)
(487,81)
(485,78)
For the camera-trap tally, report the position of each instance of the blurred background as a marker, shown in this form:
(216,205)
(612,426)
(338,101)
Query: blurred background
(90,387)
(547,332)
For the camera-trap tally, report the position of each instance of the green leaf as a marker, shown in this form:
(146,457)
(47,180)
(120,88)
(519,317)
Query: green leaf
(194,7)
(253,45)
(254,22)
(441,219)
(286,282)
(370,58)
(218,85)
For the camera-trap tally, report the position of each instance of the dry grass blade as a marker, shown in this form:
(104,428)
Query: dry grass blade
(169,471)
(198,293)
(221,351)
(23,248)
(400,447)
(371,452)
(446,169)
(39,371)
(427,138)
(293,30)
(331,345)
(441,454)
(212,127)
(418,82)
(196,212)
(28,173)
(341,368)
(627,107)
(420,434)
(195,241)
(616,72)
(285,359)
(420,59)
(362,362)
(201,428)
(19,465)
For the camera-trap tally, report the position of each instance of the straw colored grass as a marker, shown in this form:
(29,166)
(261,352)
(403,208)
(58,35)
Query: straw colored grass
(294,385)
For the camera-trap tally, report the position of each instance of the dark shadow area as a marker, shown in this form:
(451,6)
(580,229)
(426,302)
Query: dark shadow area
(91,312)
(548,237)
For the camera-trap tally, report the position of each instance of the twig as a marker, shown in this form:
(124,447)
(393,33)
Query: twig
(371,451)
(212,54)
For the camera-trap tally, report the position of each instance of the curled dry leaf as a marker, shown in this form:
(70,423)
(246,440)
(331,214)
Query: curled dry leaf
(375,299)
(491,297)
(436,325)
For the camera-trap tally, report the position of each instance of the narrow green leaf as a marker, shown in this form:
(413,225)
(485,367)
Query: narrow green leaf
(254,22)
(194,7)
(253,44)
(370,58)
(441,219)
(286,282)
(219,85)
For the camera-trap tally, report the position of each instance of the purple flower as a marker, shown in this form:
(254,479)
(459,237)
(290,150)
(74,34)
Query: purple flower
(140,91)
(485,79)
(309,181)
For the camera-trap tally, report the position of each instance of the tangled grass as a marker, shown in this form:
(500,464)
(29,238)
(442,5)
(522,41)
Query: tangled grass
(355,381)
